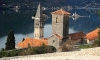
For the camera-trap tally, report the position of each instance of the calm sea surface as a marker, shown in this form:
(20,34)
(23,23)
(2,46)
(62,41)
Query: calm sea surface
(22,24)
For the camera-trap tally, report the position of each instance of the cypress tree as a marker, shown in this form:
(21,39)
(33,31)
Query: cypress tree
(10,43)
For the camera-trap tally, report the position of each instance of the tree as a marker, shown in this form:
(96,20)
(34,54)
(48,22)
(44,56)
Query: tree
(99,13)
(10,43)
(97,41)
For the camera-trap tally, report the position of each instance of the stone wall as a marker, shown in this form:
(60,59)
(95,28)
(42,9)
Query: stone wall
(83,52)
(54,41)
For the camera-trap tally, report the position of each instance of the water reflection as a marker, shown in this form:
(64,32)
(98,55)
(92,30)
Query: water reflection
(76,16)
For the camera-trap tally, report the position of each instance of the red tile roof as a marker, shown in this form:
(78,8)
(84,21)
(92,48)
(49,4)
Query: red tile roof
(61,12)
(92,35)
(32,42)
(76,36)
(60,37)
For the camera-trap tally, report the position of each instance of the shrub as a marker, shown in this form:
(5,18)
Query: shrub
(44,49)
(3,49)
(84,46)
(50,49)
(28,51)
(97,42)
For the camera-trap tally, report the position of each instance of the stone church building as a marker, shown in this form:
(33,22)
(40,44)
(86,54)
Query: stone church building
(60,27)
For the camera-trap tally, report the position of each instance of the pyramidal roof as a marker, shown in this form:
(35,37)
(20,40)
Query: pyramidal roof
(61,12)
(39,11)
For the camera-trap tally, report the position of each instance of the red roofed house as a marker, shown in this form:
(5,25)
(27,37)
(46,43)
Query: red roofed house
(92,36)
(79,37)
(32,42)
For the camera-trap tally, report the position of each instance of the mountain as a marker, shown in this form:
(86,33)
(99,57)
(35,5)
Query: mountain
(32,3)
(26,4)
(81,2)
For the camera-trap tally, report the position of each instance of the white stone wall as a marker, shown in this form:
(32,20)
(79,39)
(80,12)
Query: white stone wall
(90,41)
(91,54)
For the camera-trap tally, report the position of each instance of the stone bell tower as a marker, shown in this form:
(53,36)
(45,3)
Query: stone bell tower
(60,23)
(60,27)
(38,23)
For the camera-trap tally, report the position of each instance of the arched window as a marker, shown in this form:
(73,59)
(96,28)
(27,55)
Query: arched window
(41,24)
(57,19)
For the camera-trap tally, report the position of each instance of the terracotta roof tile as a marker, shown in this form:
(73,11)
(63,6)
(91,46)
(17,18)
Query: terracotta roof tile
(60,37)
(61,12)
(32,42)
(92,35)
(76,36)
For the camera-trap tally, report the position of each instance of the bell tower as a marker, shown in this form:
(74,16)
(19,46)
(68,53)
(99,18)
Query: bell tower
(38,23)
(60,23)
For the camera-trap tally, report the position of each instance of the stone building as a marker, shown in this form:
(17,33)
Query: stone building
(38,23)
(92,36)
(78,38)
(38,39)
(60,27)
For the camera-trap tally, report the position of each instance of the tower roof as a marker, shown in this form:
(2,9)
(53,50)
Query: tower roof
(61,12)
(39,11)
(60,37)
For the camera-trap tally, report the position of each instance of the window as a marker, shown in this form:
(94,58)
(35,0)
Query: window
(57,20)
(41,24)
(37,23)
(53,41)
(34,35)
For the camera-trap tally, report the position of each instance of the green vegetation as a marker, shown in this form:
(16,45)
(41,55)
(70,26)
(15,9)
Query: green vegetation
(28,51)
(38,50)
(85,46)
(8,54)
(10,44)
(99,13)
(97,42)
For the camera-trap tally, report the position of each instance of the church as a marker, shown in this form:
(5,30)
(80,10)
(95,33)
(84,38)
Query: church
(60,29)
